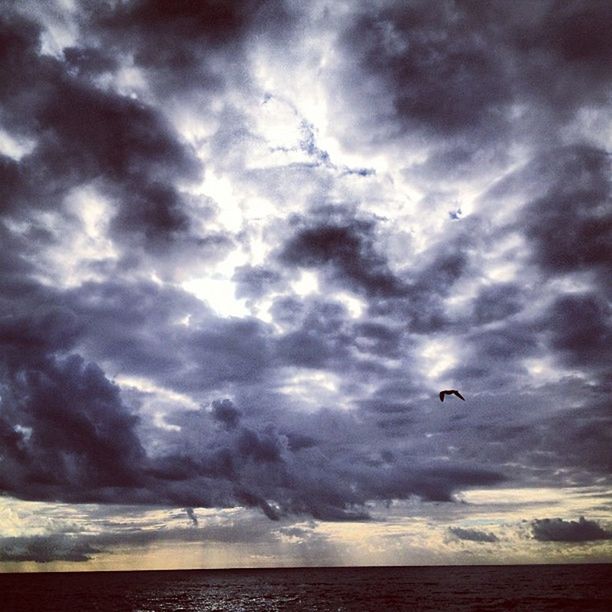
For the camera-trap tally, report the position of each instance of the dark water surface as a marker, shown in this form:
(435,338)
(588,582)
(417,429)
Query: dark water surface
(532,588)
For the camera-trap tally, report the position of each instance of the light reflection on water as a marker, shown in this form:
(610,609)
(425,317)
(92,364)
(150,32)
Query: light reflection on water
(529,588)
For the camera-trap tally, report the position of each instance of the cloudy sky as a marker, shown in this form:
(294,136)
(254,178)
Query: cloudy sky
(245,245)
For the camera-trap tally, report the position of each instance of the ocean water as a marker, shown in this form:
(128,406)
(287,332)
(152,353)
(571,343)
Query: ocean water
(529,588)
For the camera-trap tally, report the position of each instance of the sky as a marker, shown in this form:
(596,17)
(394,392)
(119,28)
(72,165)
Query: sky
(246,244)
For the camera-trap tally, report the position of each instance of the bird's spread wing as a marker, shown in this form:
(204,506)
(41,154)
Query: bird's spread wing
(441,396)
(459,395)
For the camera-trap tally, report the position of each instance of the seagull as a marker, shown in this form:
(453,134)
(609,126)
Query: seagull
(450,392)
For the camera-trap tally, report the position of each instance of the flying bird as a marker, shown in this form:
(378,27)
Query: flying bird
(450,392)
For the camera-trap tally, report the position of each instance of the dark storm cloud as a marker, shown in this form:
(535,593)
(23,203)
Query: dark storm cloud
(225,412)
(76,436)
(568,231)
(560,530)
(428,282)
(456,68)
(65,431)
(286,471)
(438,71)
(67,435)
(585,445)
(44,328)
(20,43)
(507,344)
(135,324)
(496,302)
(323,335)
(567,52)
(262,447)
(378,339)
(580,329)
(297,441)
(261,464)
(84,135)
(347,251)
(126,145)
(565,221)
(45,549)
(88,61)
(434,482)
(570,225)
(554,434)
(472,535)
(187,45)
(322,338)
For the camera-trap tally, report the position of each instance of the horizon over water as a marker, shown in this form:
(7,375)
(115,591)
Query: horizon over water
(456,587)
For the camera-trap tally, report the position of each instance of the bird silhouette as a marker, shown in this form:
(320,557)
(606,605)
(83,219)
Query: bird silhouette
(450,392)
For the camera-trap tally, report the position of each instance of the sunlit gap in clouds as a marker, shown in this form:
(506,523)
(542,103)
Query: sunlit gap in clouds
(438,355)
(293,94)
(543,369)
(91,241)
(15,147)
(216,288)
(219,292)
(84,224)
(314,389)
(154,393)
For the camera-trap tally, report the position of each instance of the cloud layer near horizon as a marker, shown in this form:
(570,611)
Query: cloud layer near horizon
(246,244)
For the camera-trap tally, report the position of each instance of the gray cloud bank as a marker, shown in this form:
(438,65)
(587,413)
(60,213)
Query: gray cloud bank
(560,530)
(473,535)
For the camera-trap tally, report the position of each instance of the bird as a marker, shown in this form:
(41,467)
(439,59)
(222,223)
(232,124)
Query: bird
(450,392)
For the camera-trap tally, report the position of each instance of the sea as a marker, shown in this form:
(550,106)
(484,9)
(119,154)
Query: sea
(525,587)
